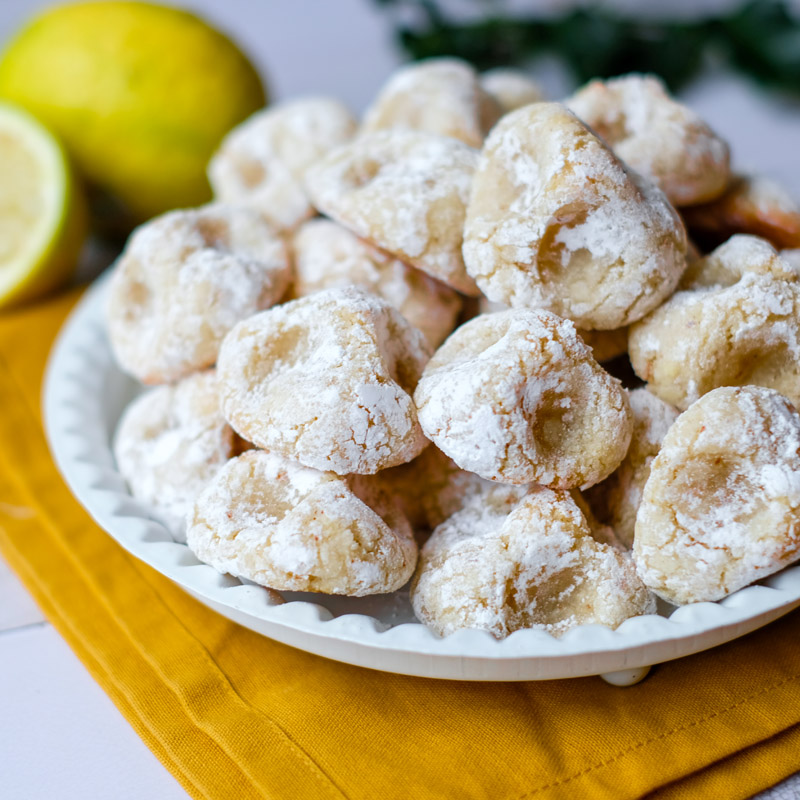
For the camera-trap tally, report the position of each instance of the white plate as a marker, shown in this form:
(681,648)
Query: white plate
(84,394)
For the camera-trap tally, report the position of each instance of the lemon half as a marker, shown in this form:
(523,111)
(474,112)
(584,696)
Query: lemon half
(43,219)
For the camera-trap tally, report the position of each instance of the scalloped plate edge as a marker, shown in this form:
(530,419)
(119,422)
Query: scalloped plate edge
(84,461)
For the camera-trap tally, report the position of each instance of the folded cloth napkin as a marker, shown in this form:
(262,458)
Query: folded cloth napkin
(233,714)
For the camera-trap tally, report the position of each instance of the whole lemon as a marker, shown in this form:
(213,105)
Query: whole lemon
(140,94)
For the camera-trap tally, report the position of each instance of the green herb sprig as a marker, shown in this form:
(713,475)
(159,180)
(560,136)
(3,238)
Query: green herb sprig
(760,38)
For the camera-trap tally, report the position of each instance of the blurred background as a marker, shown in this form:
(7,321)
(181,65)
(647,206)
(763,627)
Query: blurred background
(347,48)
(736,63)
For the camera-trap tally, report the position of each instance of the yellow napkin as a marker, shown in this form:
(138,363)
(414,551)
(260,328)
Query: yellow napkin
(235,715)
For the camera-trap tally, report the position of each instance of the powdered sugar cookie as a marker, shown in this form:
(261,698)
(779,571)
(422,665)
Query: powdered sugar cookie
(288,527)
(657,136)
(511,88)
(263,161)
(327,255)
(751,204)
(721,507)
(736,322)
(535,567)
(616,500)
(517,397)
(326,380)
(405,192)
(556,221)
(183,281)
(437,95)
(170,442)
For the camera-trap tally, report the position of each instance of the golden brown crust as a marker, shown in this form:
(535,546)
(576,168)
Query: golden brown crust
(751,204)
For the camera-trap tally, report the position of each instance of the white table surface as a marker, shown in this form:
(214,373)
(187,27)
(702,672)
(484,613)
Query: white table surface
(48,702)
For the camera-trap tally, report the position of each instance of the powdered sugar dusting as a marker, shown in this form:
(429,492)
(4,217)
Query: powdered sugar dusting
(170,442)
(616,500)
(326,380)
(404,191)
(184,280)
(263,161)
(655,135)
(328,255)
(511,88)
(738,326)
(720,509)
(437,95)
(501,564)
(556,221)
(515,396)
(289,527)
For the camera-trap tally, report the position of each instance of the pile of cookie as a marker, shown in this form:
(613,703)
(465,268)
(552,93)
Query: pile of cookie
(380,350)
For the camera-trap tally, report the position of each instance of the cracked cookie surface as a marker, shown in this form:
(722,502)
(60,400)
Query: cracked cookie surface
(720,509)
(405,192)
(183,281)
(170,442)
(657,136)
(556,221)
(326,255)
(503,564)
(735,321)
(292,528)
(326,380)
(616,499)
(517,397)
(262,162)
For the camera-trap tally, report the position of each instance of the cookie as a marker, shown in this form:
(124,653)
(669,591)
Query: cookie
(735,322)
(436,95)
(405,192)
(292,528)
(326,381)
(262,162)
(511,88)
(720,509)
(616,500)
(170,442)
(326,256)
(556,221)
(657,136)
(502,566)
(183,281)
(517,397)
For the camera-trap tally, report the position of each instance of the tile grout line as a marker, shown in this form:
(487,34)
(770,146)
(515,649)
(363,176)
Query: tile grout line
(42,623)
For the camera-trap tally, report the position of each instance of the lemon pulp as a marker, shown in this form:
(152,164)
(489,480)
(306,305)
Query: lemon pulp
(42,218)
